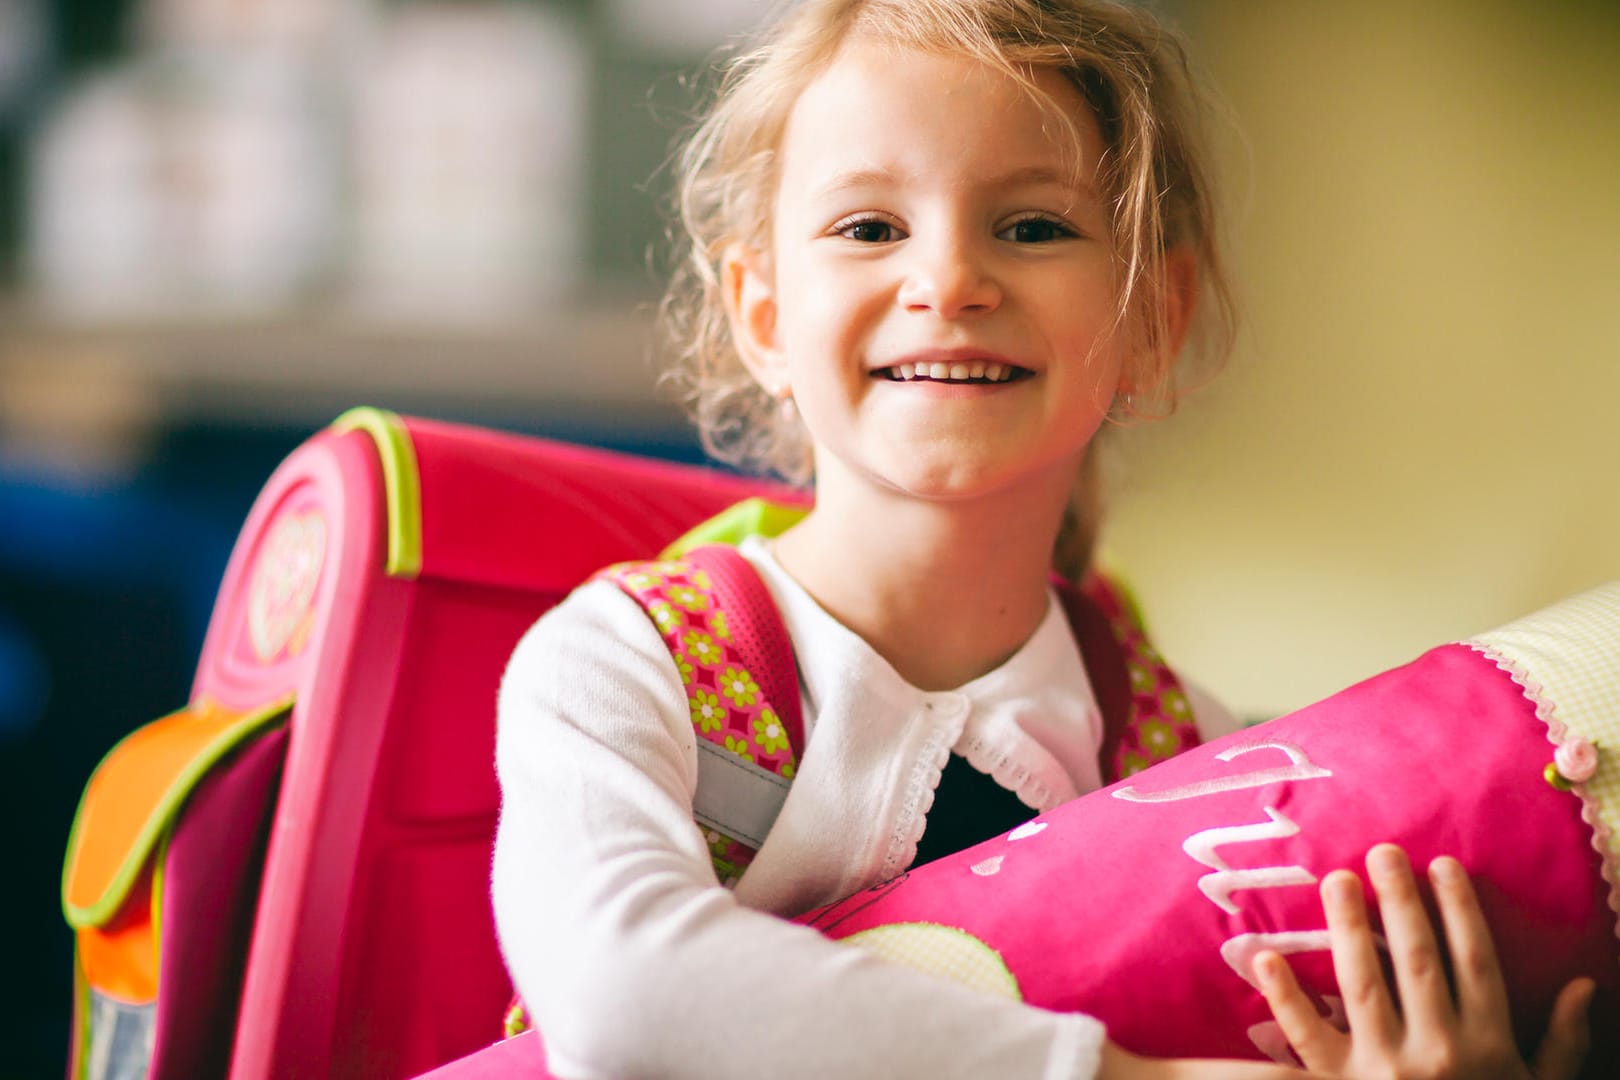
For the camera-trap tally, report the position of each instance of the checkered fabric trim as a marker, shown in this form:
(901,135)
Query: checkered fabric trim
(1567,658)
(939,950)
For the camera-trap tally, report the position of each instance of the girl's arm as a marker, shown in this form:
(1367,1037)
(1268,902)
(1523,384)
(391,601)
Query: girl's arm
(1421,1031)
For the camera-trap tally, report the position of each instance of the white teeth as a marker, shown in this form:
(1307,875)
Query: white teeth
(959,371)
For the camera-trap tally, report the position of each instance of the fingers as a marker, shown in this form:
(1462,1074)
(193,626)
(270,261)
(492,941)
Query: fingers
(1319,1045)
(1481,992)
(1420,976)
(1569,1035)
(1367,1002)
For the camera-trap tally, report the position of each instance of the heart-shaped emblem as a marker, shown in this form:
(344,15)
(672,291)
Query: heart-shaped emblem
(281,595)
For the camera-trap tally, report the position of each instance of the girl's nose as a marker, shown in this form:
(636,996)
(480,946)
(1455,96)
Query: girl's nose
(951,280)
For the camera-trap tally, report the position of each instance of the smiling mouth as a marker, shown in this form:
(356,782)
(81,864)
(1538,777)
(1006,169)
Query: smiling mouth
(959,371)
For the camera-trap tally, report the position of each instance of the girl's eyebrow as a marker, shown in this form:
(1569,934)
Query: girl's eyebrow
(1026,176)
(1038,176)
(855,178)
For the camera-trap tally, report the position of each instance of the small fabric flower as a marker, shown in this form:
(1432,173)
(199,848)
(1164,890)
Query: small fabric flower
(702,648)
(665,616)
(1577,760)
(707,712)
(687,597)
(769,735)
(739,686)
(1132,763)
(641,581)
(739,747)
(684,666)
(1159,738)
(721,846)
(516,1021)
(717,623)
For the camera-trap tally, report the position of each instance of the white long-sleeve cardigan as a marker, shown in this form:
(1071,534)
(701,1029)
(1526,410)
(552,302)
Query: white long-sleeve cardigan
(632,959)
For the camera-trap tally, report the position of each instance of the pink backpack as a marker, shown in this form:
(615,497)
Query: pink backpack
(290,875)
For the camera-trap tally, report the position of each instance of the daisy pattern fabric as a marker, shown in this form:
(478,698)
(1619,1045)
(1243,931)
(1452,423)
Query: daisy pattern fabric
(1161,718)
(728,707)
(1161,889)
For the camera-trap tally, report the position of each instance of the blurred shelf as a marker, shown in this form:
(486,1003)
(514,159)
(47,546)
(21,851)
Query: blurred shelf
(582,363)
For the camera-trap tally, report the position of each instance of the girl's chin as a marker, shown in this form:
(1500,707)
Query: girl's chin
(953,471)
(956,487)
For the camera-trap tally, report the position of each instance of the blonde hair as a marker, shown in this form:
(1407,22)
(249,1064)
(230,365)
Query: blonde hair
(1131,71)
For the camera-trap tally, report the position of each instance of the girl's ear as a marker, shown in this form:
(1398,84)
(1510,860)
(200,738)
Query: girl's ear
(1141,373)
(1180,296)
(750,299)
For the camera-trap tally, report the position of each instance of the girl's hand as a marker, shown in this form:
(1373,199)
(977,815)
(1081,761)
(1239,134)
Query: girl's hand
(1425,1033)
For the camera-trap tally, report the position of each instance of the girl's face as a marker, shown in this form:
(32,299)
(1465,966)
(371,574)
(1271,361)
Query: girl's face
(941,287)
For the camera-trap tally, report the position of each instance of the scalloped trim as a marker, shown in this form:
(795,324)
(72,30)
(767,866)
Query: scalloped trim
(919,799)
(1557,732)
(1005,768)
(1001,766)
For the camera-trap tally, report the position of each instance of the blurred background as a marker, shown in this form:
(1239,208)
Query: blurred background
(222,222)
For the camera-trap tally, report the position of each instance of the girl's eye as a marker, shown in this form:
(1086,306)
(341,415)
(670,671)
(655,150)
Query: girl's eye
(1035,230)
(868,231)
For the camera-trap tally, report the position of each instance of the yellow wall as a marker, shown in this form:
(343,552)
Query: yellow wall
(1420,433)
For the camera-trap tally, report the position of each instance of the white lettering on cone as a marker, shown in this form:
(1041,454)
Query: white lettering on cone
(1219,886)
(1299,767)
(1240,950)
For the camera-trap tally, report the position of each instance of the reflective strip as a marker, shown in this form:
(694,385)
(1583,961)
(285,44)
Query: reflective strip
(122,1038)
(735,796)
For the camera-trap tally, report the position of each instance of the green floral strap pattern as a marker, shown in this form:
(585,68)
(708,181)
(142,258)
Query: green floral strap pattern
(1160,724)
(728,706)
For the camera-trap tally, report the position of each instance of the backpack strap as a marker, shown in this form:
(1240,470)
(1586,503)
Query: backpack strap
(729,644)
(1104,660)
(1146,715)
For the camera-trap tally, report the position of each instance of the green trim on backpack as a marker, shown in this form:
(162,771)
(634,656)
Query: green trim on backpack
(80,1058)
(752,517)
(160,861)
(154,830)
(402,484)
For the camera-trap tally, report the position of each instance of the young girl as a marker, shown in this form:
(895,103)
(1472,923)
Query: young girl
(936,245)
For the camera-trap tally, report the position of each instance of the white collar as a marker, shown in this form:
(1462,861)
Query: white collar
(1032,723)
